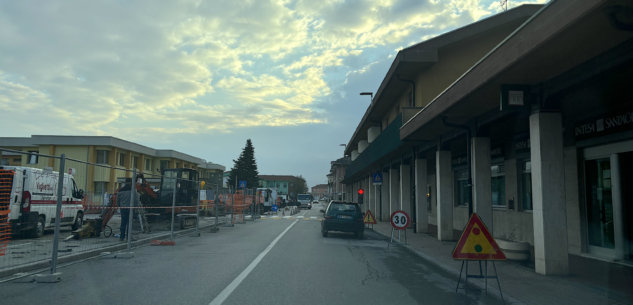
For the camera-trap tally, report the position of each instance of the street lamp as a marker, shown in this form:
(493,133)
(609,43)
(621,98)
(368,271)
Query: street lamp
(371,95)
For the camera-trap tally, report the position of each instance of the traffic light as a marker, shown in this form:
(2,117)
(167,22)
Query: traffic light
(360,196)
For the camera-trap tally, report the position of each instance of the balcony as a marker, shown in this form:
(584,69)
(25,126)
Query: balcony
(386,144)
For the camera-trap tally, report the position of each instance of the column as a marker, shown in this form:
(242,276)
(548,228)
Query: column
(405,189)
(355,191)
(394,191)
(369,193)
(444,187)
(482,192)
(548,193)
(420,196)
(384,208)
(375,200)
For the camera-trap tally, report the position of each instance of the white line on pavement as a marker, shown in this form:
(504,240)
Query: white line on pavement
(236,282)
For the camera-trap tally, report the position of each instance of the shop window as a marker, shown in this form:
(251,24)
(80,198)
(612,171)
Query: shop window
(428,198)
(461,188)
(526,185)
(102,156)
(498,185)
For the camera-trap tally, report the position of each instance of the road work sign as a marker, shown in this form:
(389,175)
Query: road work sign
(400,220)
(476,243)
(369,218)
(377,178)
(242,184)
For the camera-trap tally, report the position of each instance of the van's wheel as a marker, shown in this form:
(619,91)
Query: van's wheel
(38,231)
(79,221)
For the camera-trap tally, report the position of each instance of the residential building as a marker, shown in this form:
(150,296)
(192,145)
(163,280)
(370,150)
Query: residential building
(109,151)
(544,112)
(283,183)
(319,191)
(336,190)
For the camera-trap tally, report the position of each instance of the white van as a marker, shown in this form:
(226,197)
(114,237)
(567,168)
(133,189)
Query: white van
(34,200)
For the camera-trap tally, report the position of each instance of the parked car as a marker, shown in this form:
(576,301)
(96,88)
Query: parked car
(343,216)
(315,201)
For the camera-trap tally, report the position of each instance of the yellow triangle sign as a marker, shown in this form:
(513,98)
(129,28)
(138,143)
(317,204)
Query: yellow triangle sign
(477,243)
(369,218)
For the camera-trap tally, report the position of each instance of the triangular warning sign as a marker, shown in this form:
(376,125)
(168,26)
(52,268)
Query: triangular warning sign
(377,178)
(476,243)
(369,218)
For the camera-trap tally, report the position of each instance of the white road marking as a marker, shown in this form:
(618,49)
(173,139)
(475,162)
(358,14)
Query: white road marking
(236,282)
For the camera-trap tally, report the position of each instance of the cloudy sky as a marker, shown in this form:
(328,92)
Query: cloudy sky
(201,77)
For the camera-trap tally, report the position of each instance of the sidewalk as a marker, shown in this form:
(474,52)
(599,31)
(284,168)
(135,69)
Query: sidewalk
(519,284)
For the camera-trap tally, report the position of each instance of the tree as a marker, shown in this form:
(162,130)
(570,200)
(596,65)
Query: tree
(245,168)
(299,186)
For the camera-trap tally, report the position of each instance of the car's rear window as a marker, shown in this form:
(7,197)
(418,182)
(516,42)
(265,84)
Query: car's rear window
(341,207)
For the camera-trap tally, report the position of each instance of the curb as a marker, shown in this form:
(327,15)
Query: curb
(95,252)
(494,291)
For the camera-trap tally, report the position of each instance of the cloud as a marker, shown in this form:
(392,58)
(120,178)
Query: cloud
(142,69)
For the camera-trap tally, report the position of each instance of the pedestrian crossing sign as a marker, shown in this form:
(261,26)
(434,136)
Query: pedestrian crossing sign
(377,178)
(476,243)
(242,184)
(369,218)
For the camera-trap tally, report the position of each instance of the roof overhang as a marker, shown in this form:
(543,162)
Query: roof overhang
(561,36)
(411,60)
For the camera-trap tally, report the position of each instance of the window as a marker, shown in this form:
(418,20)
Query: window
(285,185)
(102,156)
(277,185)
(4,161)
(101,189)
(164,164)
(177,164)
(148,164)
(121,160)
(33,158)
(461,188)
(526,185)
(498,185)
(428,198)
(16,160)
(134,162)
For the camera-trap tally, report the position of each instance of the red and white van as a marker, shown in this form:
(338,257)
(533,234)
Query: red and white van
(34,200)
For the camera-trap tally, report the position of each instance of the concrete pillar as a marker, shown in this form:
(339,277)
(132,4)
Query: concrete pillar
(420,196)
(548,193)
(405,188)
(372,133)
(355,191)
(444,187)
(369,195)
(482,189)
(384,209)
(394,191)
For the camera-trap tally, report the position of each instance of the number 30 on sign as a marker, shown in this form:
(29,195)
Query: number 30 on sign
(400,220)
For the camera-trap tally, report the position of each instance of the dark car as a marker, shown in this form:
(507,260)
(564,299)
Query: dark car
(344,217)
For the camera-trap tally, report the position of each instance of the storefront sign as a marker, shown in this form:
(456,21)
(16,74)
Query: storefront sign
(521,145)
(496,152)
(514,98)
(603,125)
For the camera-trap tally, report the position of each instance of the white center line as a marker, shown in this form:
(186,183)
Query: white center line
(236,282)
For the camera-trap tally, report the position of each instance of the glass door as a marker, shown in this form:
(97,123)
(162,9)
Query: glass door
(600,226)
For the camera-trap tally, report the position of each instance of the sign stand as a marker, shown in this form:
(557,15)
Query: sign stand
(476,243)
(480,276)
(399,221)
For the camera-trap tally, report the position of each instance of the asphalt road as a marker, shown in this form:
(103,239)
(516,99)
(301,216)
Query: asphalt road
(269,261)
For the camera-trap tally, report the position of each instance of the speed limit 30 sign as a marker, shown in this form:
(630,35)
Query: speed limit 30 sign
(400,220)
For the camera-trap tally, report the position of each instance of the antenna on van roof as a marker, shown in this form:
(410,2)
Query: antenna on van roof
(504,5)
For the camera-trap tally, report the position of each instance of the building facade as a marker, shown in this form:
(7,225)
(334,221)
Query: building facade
(541,125)
(336,189)
(319,191)
(109,151)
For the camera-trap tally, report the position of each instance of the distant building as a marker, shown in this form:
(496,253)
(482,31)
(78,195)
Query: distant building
(336,190)
(320,191)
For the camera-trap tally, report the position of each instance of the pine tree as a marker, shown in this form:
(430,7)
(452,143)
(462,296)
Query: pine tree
(245,168)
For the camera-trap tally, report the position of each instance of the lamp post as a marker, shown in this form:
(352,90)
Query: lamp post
(371,96)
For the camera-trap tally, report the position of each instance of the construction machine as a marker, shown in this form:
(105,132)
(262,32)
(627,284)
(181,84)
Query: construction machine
(153,204)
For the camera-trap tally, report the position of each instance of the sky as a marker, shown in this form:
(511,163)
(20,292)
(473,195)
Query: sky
(201,77)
